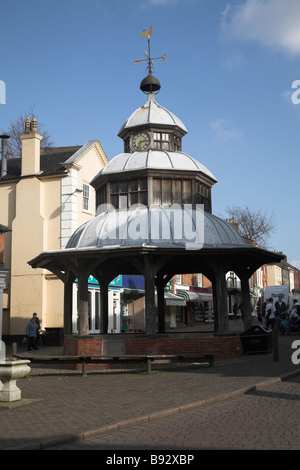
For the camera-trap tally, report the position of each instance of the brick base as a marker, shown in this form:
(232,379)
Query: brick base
(222,347)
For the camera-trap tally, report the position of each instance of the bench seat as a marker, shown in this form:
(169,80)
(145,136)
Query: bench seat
(206,359)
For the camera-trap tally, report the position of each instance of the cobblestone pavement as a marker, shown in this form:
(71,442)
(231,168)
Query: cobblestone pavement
(60,406)
(264,419)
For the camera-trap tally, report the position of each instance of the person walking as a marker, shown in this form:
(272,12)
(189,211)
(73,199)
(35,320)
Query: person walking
(280,306)
(235,309)
(294,315)
(38,327)
(270,314)
(31,333)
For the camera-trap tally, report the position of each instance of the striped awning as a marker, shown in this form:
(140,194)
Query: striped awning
(172,299)
(194,296)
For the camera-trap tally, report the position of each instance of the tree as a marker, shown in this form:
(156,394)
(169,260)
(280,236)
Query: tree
(17,127)
(253,224)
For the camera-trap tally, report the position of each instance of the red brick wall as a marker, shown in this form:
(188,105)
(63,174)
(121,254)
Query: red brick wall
(83,346)
(222,348)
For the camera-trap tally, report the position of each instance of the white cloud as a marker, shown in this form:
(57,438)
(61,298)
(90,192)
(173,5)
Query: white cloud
(272,23)
(224,130)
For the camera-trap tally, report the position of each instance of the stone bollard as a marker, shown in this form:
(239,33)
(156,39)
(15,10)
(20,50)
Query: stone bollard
(10,372)
(14,349)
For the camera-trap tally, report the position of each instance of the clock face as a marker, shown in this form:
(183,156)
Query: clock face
(141,141)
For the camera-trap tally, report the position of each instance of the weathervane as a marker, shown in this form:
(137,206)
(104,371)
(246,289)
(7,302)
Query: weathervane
(150,66)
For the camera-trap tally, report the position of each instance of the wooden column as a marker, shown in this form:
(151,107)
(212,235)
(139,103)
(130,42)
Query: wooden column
(150,309)
(160,286)
(83,307)
(103,305)
(68,303)
(247,309)
(220,300)
(215,305)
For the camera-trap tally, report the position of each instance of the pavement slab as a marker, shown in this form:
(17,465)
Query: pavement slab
(62,406)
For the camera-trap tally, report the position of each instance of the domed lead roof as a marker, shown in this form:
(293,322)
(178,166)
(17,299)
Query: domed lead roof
(156,159)
(156,227)
(152,113)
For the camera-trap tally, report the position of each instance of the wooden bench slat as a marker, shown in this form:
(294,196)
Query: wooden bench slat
(85,359)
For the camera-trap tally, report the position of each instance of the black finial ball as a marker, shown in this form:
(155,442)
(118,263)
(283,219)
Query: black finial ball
(150,84)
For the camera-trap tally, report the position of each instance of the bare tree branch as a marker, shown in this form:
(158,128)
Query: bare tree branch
(253,224)
(17,127)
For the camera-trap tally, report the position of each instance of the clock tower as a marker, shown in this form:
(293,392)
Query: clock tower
(153,170)
(152,127)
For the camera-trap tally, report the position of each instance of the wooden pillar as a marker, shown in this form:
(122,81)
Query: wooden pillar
(103,305)
(83,307)
(215,306)
(150,309)
(247,309)
(68,303)
(160,286)
(220,300)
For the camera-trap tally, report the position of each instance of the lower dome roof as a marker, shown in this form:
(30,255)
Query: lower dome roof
(156,226)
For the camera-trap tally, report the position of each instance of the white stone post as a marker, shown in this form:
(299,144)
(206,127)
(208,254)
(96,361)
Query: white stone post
(3,274)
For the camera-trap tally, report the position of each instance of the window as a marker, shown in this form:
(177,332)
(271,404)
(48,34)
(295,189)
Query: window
(101,196)
(169,192)
(161,141)
(176,187)
(203,195)
(176,144)
(86,197)
(187,192)
(127,146)
(127,193)
(156,191)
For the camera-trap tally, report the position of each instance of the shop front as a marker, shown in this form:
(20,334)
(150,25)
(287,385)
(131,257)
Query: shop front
(199,307)
(94,313)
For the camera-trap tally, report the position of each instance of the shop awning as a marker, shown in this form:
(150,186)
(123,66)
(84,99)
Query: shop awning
(193,296)
(172,299)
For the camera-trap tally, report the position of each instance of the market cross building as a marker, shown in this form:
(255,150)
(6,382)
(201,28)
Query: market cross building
(142,196)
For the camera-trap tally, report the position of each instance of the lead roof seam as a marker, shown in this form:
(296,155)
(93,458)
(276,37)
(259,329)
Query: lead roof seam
(83,229)
(100,231)
(149,110)
(215,226)
(125,164)
(167,111)
(167,153)
(147,158)
(197,164)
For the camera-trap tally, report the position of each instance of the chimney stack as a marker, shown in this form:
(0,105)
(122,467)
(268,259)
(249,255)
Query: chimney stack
(30,164)
(4,139)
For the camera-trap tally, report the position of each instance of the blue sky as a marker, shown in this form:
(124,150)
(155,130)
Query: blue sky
(228,76)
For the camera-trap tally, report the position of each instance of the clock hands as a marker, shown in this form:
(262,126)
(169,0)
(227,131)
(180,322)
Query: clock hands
(141,142)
